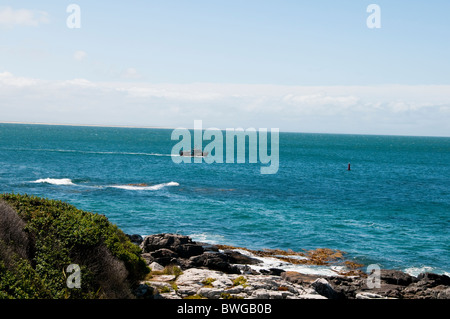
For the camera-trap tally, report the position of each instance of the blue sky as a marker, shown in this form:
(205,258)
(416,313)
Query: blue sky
(308,66)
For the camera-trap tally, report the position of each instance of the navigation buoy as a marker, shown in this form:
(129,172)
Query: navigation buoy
(348,167)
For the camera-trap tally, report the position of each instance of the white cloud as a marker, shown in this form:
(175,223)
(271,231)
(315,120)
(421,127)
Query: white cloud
(79,55)
(10,17)
(130,74)
(399,109)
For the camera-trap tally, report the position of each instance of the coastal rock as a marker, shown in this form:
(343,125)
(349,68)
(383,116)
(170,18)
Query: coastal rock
(235,257)
(432,280)
(209,272)
(182,245)
(144,291)
(395,277)
(298,278)
(213,284)
(154,266)
(164,256)
(323,287)
(272,271)
(215,261)
(368,295)
(136,239)
(444,294)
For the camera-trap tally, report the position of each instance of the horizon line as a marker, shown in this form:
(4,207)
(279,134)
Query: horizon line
(173,128)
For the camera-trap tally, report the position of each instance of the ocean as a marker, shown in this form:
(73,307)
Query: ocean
(392,208)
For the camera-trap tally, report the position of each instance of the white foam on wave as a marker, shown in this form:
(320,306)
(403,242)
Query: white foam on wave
(207,238)
(273,262)
(415,271)
(55,181)
(92,152)
(140,188)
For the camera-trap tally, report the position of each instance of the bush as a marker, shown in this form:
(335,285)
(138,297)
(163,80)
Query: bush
(39,238)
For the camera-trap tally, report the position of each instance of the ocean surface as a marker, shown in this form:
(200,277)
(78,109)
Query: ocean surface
(392,208)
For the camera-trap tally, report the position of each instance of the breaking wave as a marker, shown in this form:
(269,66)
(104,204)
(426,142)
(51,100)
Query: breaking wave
(55,181)
(148,188)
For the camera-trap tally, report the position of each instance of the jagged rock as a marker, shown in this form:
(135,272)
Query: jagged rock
(211,272)
(144,291)
(395,277)
(272,271)
(208,247)
(154,266)
(323,287)
(298,278)
(189,250)
(368,295)
(444,294)
(182,245)
(215,261)
(164,256)
(432,280)
(136,239)
(235,257)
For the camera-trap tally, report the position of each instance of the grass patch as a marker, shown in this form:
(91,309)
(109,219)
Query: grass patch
(241,280)
(207,283)
(225,295)
(196,296)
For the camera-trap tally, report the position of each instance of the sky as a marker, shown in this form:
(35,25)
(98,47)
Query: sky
(300,66)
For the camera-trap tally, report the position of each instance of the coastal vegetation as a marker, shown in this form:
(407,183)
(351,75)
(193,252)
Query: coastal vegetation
(40,238)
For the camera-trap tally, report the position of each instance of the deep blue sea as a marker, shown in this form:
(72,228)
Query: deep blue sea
(391,208)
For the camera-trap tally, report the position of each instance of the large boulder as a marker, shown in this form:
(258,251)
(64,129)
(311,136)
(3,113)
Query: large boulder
(183,246)
(215,261)
(432,280)
(323,287)
(395,277)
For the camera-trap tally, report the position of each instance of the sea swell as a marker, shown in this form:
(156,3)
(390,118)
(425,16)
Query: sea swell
(131,187)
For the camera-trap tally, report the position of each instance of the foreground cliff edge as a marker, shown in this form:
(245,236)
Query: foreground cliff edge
(40,239)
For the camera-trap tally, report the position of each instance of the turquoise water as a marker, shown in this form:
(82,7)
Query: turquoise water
(392,208)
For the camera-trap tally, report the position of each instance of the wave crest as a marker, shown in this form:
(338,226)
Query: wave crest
(55,181)
(152,188)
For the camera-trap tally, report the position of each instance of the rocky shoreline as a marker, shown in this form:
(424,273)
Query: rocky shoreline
(185,269)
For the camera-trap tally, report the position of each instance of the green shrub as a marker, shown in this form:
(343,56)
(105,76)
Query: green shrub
(54,234)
